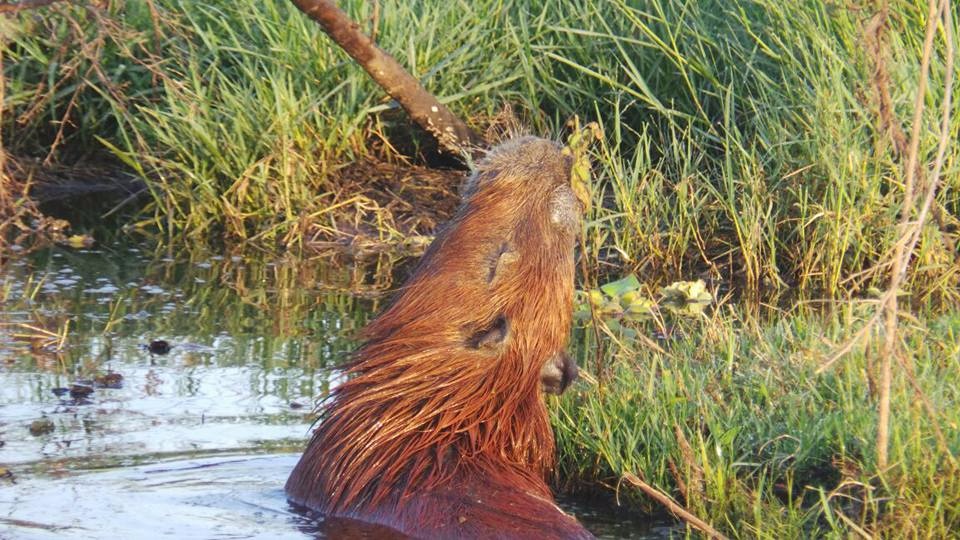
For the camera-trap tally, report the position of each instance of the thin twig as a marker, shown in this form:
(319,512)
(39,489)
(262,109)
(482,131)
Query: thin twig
(673,506)
(902,256)
(925,209)
(848,345)
(944,126)
(910,230)
(695,470)
(375,21)
(874,34)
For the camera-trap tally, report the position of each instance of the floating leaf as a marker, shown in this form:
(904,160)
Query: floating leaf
(41,427)
(629,297)
(622,300)
(618,288)
(640,309)
(79,241)
(686,297)
(611,308)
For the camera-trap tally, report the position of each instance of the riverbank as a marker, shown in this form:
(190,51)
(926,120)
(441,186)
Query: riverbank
(725,412)
(763,147)
(750,141)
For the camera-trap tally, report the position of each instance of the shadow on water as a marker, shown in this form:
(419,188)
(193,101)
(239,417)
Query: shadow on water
(197,442)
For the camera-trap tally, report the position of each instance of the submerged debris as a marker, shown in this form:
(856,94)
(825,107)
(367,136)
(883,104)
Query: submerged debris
(80,390)
(108,380)
(41,427)
(6,476)
(76,241)
(159,346)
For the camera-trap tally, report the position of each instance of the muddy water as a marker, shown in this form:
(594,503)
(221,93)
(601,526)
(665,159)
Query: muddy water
(191,443)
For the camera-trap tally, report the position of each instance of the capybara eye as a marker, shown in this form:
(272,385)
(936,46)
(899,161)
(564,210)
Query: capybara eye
(492,337)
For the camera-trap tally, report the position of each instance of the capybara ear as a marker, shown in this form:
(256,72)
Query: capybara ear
(491,338)
(565,209)
(501,262)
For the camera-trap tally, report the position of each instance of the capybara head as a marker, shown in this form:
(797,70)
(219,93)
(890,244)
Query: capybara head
(449,380)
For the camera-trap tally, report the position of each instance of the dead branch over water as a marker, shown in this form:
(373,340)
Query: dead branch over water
(451,132)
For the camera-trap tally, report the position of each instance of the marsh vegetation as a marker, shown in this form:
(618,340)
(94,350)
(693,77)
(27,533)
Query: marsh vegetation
(779,151)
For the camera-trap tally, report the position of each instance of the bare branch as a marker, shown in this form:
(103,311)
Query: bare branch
(673,506)
(452,134)
(904,249)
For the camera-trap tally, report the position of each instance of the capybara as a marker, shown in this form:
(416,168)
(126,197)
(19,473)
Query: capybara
(441,430)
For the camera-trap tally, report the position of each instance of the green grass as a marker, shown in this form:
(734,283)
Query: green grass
(741,137)
(775,451)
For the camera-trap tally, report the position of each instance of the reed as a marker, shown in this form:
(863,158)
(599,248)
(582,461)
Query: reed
(743,138)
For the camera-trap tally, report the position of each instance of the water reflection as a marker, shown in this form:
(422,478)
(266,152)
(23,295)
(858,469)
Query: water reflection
(253,343)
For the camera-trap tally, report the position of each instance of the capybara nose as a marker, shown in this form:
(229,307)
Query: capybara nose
(558,373)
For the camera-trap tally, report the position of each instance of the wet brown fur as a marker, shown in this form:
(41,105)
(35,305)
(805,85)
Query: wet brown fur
(441,429)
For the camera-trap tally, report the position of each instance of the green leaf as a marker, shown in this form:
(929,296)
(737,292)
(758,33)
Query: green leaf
(596,298)
(618,288)
(614,325)
(641,309)
(687,298)
(582,315)
(611,308)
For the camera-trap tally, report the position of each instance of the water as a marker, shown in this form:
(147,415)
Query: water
(196,443)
